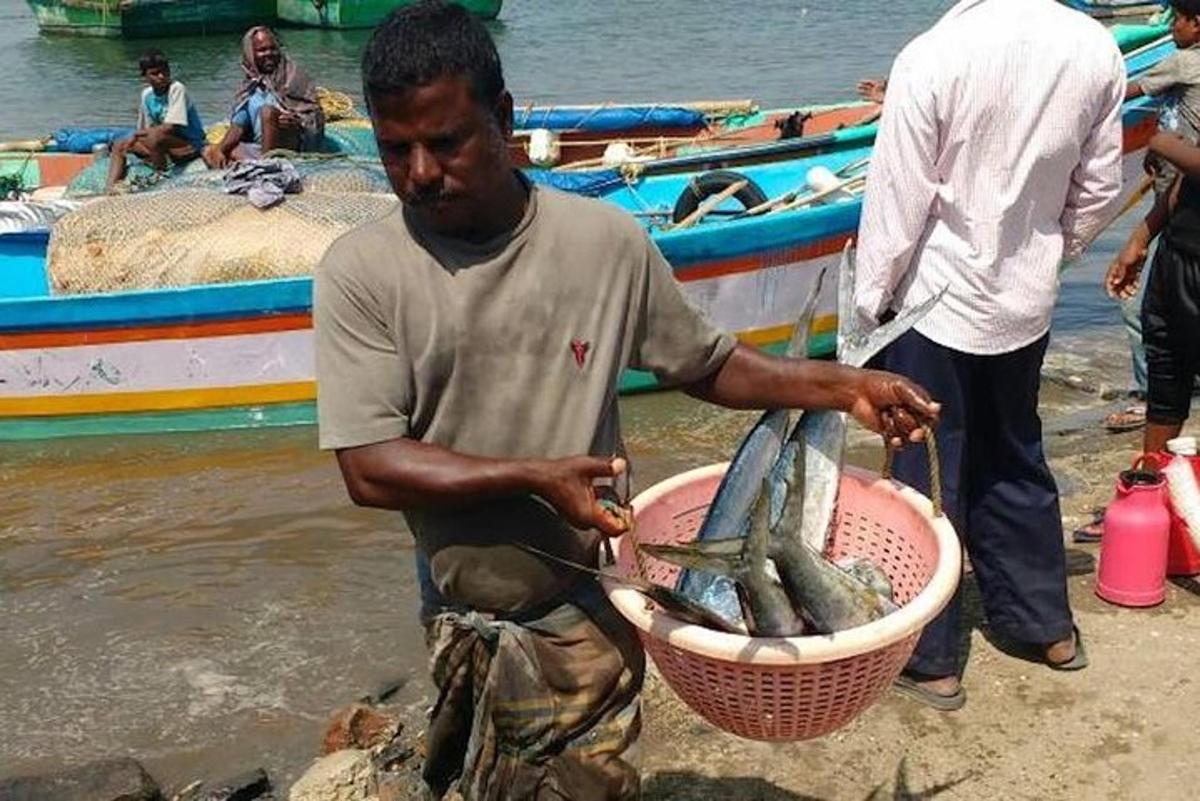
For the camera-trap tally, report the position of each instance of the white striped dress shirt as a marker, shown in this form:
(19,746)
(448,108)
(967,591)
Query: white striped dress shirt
(998,155)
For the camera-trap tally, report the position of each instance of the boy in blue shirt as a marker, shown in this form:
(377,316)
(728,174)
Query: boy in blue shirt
(168,127)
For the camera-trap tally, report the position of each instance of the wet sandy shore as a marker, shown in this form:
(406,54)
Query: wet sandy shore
(205,603)
(1124,728)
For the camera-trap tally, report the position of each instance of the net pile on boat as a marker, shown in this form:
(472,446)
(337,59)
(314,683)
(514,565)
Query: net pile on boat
(200,235)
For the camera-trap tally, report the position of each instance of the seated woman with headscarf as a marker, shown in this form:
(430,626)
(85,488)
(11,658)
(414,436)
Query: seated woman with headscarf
(276,106)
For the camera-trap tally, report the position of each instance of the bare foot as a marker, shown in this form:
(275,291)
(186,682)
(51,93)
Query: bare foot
(1062,651)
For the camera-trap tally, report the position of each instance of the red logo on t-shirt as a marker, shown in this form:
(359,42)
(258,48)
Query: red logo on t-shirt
(580,349)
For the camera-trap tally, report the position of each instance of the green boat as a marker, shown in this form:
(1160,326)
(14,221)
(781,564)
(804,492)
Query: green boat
(361,13)
(150,18)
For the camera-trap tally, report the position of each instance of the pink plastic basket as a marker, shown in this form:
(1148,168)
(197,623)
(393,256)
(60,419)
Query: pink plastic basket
(794,688)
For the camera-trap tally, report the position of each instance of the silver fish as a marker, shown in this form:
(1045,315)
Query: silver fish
(829,598)
(728,516)
(765,605)
(868,573)
(675,604)
(823,432)
(826,597)
(817,441)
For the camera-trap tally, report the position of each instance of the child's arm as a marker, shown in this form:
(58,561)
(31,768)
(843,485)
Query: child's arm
(1160,79)
(1186,157)
(1121,282)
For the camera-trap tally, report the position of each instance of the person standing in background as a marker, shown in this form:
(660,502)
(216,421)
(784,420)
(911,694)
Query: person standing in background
(1176,82)
(998,155)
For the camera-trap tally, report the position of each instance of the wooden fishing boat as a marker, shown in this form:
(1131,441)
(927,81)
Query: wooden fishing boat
(150,18)
(32,169)
(744,128)
(1132,35)
(240,354)
(1118,9)
(361,13)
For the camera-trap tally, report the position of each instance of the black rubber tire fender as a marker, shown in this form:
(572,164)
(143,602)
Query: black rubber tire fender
(711,183)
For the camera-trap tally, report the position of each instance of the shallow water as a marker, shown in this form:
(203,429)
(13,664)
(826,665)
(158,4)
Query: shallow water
(779,52)
(204,601)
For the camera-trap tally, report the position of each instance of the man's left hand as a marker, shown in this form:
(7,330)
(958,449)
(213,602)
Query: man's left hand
(892,406)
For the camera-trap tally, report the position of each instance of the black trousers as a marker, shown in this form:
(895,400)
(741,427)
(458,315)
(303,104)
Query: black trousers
(1171,334)
(997,488)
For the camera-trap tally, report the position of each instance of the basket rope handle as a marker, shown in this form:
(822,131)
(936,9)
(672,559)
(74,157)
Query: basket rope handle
(935,469)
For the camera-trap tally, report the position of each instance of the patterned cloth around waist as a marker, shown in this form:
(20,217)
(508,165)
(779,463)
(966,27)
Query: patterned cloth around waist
(544,708)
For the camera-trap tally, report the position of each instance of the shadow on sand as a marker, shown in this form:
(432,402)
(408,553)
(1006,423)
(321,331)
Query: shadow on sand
(1188,584)
(689,786)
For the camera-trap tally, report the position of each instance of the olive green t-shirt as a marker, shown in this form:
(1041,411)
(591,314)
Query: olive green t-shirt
(508,349)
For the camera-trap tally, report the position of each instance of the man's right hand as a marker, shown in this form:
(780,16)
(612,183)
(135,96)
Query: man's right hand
(569,485)
(1121,282)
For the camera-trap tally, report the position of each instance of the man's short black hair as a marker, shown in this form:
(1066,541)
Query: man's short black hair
(431,39)
(1189,8)
(153,59)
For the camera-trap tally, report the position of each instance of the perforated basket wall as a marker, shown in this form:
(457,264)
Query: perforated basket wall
(801,698)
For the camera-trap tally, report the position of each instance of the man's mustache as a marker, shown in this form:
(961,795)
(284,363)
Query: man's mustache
(427,197)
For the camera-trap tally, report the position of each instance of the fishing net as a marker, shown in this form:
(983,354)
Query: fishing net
(199,236)
(319,173)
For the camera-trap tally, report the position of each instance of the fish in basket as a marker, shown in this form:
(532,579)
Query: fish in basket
(789,591)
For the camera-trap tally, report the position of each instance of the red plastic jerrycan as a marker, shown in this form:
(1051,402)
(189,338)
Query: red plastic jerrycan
(1182,557)
(1133,551)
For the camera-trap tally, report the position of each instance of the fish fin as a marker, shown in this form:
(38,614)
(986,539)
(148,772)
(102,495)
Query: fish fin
(684,608)
(798,345)
(847,327)
(747,607)
(791,518)
(759,537)
(860,351)
(721,557)
(674,603)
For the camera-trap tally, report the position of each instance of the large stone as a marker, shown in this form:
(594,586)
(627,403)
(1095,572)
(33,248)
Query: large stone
(384,690)
(244,787)
(107,780)
(341,776)
(359,727)
(394,755)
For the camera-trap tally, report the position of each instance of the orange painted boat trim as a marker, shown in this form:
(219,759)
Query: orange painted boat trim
(105,336)
(760,261)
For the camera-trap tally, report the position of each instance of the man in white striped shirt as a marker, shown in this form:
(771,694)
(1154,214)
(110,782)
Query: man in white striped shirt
(998,155)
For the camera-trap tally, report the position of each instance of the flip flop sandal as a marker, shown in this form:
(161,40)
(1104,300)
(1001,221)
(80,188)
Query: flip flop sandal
(1091,532)
(1077,662)
(1131,418)
(918,692)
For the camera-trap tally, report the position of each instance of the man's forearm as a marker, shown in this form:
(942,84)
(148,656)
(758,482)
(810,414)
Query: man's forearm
(1153,223)
(750,379)
(406,474)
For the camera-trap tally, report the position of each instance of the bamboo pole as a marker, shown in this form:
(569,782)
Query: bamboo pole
(709,204)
